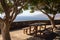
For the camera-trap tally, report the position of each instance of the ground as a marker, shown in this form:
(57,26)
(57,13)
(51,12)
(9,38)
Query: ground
(17,35)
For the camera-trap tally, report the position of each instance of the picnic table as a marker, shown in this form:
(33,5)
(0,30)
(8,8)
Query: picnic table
(36,25)
(47,34)
(36,30)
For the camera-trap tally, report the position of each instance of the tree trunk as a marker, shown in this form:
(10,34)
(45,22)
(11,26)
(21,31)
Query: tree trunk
(53,24)
(51,20)
(5,32)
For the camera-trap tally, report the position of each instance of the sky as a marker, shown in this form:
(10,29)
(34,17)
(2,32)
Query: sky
(26,16)
(37,15)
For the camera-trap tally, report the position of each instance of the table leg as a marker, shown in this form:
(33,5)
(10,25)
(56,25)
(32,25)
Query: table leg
(40,29)
(30,30)
(35,30)
(26,31)
(45,26)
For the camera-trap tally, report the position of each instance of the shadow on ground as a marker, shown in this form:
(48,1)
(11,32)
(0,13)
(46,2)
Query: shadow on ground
(51,36)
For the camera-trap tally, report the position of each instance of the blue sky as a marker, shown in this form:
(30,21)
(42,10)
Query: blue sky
(37,15)
(26,15)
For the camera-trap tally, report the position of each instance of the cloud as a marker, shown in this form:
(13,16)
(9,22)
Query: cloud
(34,17)
(57,16)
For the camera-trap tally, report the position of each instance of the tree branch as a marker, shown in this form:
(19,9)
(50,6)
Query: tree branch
(4,5)
(44,12)
(1,20)
(54,16)
(18,11)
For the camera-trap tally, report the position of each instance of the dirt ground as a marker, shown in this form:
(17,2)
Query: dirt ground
(17,35)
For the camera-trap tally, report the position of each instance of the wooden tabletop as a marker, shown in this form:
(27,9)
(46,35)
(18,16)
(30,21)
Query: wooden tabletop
(37,24)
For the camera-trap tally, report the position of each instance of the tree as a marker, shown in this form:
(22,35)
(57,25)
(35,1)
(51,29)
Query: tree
(47,7)
(11,8)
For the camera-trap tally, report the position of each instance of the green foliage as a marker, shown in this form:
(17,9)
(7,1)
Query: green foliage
(49,6)
(26,7)
(34,2)
(10,4)
(31,11)
(1,9)
(21,11)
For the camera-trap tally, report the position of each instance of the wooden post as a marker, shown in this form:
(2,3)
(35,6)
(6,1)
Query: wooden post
(40,29)
(52,29)
(26,31)
(45,26)
(30,30)
(35,30)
